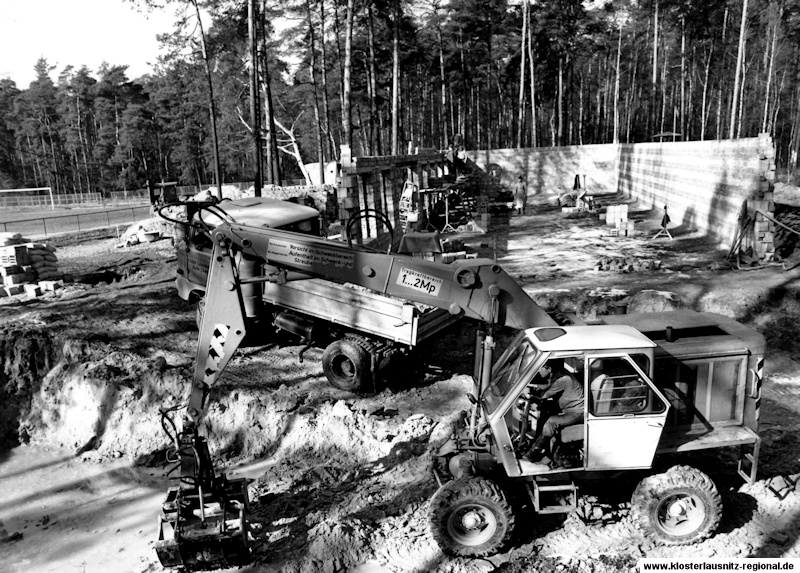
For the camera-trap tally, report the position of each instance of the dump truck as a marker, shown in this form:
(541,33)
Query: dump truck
(362,333)
(657,388)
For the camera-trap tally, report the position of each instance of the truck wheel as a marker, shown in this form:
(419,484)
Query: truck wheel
(347,365)
(470,516)
(678,507)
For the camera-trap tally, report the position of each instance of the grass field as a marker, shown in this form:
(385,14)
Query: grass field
(45,221)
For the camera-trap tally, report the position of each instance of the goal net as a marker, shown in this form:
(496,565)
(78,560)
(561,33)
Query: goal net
(31,197)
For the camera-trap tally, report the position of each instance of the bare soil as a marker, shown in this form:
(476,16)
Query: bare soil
(341,482)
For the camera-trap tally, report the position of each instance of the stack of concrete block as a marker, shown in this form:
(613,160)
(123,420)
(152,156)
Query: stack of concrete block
(763,206)
(617,216)
(31,268)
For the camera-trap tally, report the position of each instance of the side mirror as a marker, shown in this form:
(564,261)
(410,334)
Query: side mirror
(472,398)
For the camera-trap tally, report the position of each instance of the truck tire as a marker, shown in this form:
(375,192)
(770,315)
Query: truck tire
(347,365)
(679,507)
(471,517)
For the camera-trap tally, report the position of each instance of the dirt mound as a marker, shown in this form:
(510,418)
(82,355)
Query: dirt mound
(26,356)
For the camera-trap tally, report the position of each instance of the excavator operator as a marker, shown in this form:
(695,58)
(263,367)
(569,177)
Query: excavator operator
(562,387)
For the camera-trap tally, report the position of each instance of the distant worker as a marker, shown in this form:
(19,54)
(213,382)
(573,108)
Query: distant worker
(520,195)
(568,393)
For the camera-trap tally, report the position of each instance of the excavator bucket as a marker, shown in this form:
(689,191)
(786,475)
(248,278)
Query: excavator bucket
(200,531)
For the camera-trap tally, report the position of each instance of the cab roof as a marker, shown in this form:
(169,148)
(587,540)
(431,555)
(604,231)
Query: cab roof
(259,212)
(597,337)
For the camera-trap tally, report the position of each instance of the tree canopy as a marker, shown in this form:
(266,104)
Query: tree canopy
(485,74)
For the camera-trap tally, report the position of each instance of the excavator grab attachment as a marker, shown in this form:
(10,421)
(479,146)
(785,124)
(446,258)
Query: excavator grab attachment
(203,522)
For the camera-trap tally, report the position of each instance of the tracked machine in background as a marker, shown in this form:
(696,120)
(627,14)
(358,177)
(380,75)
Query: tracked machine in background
(668,383)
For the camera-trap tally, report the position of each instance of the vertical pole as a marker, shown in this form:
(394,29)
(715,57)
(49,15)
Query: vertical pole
(739,58)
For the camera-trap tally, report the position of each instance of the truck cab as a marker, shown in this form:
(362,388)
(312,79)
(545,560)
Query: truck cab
(194,242)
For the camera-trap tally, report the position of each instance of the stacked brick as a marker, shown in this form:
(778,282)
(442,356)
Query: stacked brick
(762,206)
(30,268)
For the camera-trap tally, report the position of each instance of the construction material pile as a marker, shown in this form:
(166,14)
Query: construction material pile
(626,264)
(29,268)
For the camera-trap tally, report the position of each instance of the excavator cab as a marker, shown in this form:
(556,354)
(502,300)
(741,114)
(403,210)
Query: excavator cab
(624,415)
(621,402)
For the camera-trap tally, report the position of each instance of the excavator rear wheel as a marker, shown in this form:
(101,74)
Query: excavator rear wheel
(348,365)
(678,507)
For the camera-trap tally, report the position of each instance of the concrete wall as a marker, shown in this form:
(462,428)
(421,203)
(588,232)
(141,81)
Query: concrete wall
(552,170)
(703,183)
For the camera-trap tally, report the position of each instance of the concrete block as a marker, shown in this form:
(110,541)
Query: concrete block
(33,290)
(6,270)
(12,290)
(51,285)
(17,279)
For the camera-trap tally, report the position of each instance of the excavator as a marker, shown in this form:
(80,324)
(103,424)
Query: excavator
(673,383)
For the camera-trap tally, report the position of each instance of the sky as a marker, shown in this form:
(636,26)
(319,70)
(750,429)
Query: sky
(77,33)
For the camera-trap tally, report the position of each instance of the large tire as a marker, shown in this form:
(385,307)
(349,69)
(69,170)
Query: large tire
(679,507)
(347,365)
(471,517)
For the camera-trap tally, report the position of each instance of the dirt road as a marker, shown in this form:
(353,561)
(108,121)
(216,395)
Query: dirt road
(341,482)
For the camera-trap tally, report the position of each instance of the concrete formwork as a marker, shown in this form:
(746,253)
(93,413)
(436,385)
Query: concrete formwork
(377,182)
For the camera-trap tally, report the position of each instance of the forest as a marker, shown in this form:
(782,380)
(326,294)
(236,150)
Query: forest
(383,76)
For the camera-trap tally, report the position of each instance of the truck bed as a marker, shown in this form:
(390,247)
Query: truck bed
(359,309)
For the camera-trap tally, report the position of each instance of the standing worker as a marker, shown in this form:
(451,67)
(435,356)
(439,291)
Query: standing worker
(520,195)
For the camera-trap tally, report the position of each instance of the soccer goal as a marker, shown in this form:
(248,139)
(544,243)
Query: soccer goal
(30,197)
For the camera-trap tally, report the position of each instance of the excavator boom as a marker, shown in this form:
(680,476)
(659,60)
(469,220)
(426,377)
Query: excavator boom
(204,521)
(463,287)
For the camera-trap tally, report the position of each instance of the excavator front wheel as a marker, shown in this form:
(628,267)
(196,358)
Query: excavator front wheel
(471,517)
(347,365)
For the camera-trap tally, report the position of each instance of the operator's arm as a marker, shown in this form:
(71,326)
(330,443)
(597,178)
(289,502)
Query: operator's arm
(555,388)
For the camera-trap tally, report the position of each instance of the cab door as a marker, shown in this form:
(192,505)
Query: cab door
(625,414)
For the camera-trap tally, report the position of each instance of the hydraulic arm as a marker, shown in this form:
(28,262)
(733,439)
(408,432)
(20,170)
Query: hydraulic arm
(204,522)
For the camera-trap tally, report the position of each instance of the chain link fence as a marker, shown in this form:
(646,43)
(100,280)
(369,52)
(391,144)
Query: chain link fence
(85,221)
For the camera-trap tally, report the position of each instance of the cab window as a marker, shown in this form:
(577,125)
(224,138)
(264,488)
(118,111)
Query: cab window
(508,373)
(616,388)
